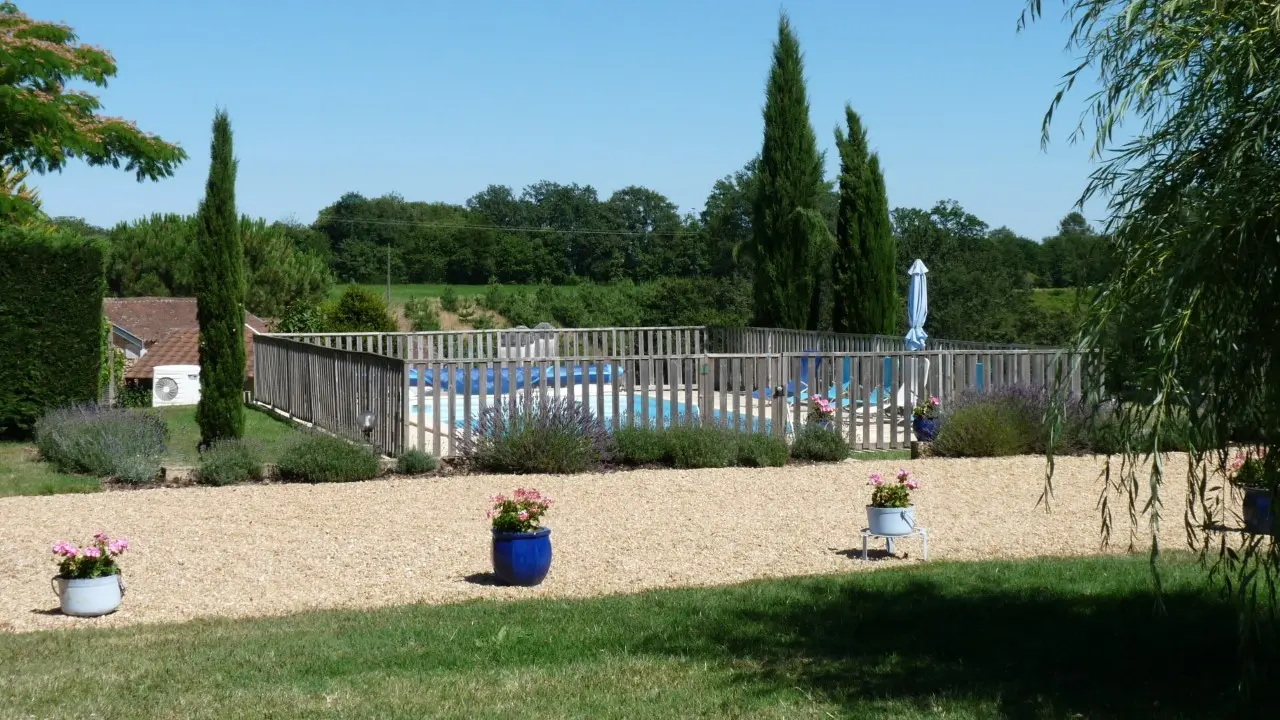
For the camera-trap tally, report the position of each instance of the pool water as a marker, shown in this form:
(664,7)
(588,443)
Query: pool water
(641,409)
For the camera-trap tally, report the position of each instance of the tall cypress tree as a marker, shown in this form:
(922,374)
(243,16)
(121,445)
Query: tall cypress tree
(220,291)
(866,291)
(788,231)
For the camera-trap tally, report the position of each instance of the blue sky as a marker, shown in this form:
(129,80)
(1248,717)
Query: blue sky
(436,100)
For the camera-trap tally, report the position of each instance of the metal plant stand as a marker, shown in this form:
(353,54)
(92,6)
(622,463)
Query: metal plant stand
(922,533)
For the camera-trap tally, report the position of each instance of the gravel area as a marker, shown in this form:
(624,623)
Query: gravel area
(275,549)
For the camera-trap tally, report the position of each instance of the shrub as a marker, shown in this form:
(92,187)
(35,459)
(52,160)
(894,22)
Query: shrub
(358,310)
(484,321)
(1010,421)
(415,462)
(51,288)
(701,446)
(319,458)
(640,445)
(550,435)
(300,318)
(449,299)
(422,315)
(981,430)
(227,462)
(135,395)
(819,444)
(102,441)
(762,450)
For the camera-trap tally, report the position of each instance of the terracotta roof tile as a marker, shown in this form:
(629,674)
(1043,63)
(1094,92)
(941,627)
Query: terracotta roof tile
(180,347)
(151,318)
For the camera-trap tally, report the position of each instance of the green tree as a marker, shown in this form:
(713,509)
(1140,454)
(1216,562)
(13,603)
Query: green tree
(220,292)
(44,122)
(790,239)
(865,297)
(1191,309)
(358,310)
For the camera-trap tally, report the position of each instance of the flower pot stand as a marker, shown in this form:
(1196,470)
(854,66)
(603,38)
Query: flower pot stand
(920,532)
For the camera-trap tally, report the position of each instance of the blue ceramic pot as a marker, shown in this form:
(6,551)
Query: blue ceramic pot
(926,428)
(1259,511)
(522,558)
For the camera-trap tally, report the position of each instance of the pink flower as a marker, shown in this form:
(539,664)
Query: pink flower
(912,485)
(92,551)
(877,479)
(62,547)
(903,475)
(101,536)
(499,499)
(524,515)
(934,401)
(489,514)
(116,547)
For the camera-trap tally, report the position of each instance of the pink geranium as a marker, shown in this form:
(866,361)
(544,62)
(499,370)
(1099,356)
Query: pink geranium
(519,513)
(893,495)
(96,559)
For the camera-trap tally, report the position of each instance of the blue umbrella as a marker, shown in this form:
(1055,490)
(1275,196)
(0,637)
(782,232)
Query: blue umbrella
(917,305)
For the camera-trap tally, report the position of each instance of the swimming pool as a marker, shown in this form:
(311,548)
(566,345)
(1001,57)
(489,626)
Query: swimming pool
(639,410)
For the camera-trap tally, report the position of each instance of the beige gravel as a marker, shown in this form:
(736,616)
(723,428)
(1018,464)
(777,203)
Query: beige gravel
(275,549)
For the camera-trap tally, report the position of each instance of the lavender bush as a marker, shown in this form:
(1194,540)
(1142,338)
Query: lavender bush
(547,435)
(1009,421)
(103,441)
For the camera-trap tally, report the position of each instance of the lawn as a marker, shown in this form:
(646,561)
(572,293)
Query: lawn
(402,293)
(21,473)
(1033,639)
(184,434)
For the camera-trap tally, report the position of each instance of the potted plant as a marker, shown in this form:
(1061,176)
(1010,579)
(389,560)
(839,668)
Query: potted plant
(1249,473)
(924,419)
(891,513)
(822,412)
(521,547)
(88,581)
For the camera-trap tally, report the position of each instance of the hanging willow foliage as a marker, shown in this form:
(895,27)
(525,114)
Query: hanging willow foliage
(1189,325)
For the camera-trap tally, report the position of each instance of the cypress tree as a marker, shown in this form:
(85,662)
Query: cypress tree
(866,291)
(220,292)
(788,231)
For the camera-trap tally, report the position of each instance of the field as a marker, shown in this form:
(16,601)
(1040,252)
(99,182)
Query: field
(402,293)
(1057,299)
(1045,638)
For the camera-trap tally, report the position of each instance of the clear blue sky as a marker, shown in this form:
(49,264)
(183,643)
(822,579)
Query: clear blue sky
(436,100)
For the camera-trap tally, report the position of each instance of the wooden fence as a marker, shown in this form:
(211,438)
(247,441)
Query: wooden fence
(435,390)
(639,342)
(330,388)
(873,393)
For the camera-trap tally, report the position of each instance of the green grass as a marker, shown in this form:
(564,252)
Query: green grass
(1057,299)
(401,293)
(1039,639)
(21,473)
(184,433)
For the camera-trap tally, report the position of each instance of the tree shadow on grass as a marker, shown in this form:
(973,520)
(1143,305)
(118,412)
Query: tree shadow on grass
(1025,652)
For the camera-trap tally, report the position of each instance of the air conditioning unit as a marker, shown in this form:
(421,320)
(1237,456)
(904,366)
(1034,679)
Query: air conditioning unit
(175,385)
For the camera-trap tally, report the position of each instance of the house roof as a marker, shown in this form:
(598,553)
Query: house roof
(151,318)
(180,347)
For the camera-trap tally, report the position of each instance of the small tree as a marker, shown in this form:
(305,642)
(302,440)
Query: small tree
(44,123)
(358,310)
(220,296)
(866,292)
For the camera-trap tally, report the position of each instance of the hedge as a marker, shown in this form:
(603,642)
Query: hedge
(51,287)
